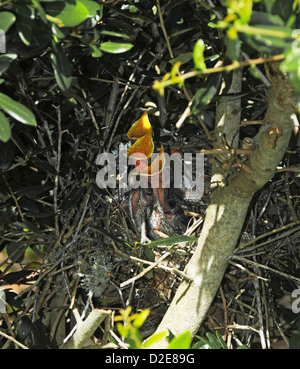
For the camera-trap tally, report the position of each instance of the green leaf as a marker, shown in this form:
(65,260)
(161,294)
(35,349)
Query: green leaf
(6,20)
(71,13)
(242,8)
(268,38)
(5,132)
(182,58)
(92,6)
(171,241)
(115,47)
(5,60)
(59,32)
(113,33)
(183,341)
(67,14)
(291,66)
(214,342)
(95,52)
(140,319)
(233,47)
(221,341)
(206,93)
(25,23)
(17,110)
(259,17)
(61,66)
(154,338)
(198,55)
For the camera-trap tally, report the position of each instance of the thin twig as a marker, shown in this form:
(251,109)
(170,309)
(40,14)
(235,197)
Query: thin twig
(13,340)
(56,180)
(255,264)
(164,29)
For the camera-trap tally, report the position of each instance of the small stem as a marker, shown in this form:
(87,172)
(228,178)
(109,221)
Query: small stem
(164,29)
(226,68)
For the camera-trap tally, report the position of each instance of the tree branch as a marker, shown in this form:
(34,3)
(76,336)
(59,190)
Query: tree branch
(226,213)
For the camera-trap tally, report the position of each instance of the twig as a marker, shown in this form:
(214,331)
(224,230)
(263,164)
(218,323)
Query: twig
(86,328)
(247,244)
(13,196)
(254,263)
(238,326)
(150,267)
(158,85)
(170,269)
(145,271)
(164,29)
(13,340)
(260,313)
(246,270)
(91,113)
(58,159)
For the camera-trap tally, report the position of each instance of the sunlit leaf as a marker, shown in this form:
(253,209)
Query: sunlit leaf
(17,110)
(115,47)
(140,319)
(6,20)
(198,54)
(71,14)
(242,7)
(154,338)
(183,341)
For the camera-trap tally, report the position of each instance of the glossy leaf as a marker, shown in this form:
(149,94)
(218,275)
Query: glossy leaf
(5,60)
(206,93)
(17,110)
(198,55)
(5,132)
(115,47)
(92,6)
(95,51)
(183,341)
(154,338)
(70,14)
(61,66)
(6,20)
(113,33)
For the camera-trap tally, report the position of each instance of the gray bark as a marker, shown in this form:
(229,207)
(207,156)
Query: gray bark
(226,213)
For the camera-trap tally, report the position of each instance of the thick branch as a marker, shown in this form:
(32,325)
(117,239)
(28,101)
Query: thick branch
(226,213)
(85,329)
